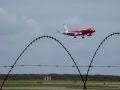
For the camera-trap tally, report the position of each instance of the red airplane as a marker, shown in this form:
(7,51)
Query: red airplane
(78,32)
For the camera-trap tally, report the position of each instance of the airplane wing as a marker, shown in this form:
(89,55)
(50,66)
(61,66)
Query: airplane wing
(76,34)
(89,34)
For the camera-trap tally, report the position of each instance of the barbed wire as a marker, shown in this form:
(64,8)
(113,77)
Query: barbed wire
(57,66)
(31,43)
(95,53)
(77,66)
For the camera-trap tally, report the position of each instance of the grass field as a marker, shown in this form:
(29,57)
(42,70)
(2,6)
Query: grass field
(61,85)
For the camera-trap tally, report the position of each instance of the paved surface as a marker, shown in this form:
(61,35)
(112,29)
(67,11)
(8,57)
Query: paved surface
(39,88)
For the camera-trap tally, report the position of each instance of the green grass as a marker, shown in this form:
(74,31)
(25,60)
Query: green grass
(39,83)
(97,85)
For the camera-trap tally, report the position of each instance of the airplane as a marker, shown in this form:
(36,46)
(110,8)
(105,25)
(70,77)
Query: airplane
(78,32)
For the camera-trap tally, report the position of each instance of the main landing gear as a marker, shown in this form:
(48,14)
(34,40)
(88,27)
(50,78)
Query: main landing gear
(82,36)
(74,36)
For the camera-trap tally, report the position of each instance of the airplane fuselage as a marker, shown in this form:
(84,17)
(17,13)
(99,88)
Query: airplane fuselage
(80,32)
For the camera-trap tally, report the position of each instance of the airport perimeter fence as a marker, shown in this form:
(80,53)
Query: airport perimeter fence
(84,80)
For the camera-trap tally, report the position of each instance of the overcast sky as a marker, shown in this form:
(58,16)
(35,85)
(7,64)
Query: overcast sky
(21,21)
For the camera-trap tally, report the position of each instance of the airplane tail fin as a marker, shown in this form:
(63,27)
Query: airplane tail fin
(65,28)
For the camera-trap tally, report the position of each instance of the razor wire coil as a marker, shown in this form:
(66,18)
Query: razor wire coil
(95,53)
(36,39)
(77,66)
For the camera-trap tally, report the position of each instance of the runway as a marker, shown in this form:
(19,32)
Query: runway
(38,88)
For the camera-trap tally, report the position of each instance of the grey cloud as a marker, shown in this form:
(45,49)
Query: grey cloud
(11,23)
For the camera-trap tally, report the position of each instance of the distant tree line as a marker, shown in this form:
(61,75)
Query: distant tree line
(59,77)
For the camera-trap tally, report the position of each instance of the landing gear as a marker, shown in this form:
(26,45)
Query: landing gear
(74,36)
(82,36)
